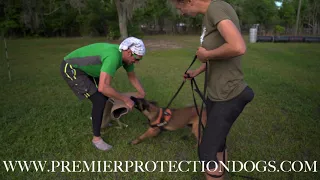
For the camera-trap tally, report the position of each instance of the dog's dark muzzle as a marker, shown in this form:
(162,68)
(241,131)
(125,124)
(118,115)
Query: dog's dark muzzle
(138,103)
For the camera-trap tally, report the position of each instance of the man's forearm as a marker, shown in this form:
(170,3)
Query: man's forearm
(136,84)
(112,93)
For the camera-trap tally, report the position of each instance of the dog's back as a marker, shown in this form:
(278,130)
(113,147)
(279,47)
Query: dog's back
(183,116)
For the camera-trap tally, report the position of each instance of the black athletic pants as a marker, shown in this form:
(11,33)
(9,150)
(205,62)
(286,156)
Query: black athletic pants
(98,103)
(220,117)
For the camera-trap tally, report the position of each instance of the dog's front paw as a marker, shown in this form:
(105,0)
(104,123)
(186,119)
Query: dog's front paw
(134,142)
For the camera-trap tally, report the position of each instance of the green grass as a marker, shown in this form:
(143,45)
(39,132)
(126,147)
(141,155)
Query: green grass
(41,119)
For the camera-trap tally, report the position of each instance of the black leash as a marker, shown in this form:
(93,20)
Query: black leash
(202,96)
(193,84)
(183,82)
(164,113)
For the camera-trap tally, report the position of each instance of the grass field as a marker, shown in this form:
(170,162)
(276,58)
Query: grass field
(41,120)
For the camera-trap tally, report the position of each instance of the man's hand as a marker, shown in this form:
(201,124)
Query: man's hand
(202,54)
(106,89)
(140,94)
(128,102)
(136,83)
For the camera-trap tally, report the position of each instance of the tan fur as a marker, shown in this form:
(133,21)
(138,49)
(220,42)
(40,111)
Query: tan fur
(180,118)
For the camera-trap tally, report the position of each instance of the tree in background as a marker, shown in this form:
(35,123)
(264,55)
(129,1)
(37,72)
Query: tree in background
(10,17)
(287,14)
(311,15)
(153,15)
(238,6)
(125,9)
(298,17)
(121,18)
(263,12)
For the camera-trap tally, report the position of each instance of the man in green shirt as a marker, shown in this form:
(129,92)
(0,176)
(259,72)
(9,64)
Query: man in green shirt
(221,49)
(89,70)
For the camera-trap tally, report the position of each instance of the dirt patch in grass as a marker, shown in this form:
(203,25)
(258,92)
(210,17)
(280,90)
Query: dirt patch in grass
(153,45)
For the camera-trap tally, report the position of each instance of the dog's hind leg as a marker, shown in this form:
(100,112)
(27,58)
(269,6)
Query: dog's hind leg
(151,132)
(195,126)
(195,129)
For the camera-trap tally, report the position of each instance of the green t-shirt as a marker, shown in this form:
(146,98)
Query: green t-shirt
(225,77)
(96,58)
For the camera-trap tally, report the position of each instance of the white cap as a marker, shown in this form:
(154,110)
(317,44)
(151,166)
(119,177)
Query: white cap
(134,44)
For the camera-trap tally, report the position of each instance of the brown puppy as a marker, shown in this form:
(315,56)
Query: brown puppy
(170,119)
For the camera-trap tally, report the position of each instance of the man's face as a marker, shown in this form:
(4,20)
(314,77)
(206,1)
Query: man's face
(130,57)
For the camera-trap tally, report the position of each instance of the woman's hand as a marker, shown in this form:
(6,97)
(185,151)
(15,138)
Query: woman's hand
(191,74)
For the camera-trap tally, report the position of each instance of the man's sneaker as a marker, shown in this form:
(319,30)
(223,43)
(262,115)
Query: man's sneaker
(101,145)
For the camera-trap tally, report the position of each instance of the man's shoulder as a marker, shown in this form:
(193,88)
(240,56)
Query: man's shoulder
(104,49)
(219,4)
(111,53)
(103,45)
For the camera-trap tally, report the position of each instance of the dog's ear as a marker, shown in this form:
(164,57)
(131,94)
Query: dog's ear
(154,103)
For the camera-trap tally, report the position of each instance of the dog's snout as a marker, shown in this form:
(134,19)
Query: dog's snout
(133,99)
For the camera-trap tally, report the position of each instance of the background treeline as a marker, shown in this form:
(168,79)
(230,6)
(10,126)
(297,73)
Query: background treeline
(120,18)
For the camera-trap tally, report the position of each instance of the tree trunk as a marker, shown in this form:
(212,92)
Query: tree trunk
(316,20)
(297,21)
(161,25)
(315,28)
(122,15)
(156,25)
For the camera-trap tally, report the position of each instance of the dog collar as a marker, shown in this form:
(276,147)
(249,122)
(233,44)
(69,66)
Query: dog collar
(163,118)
